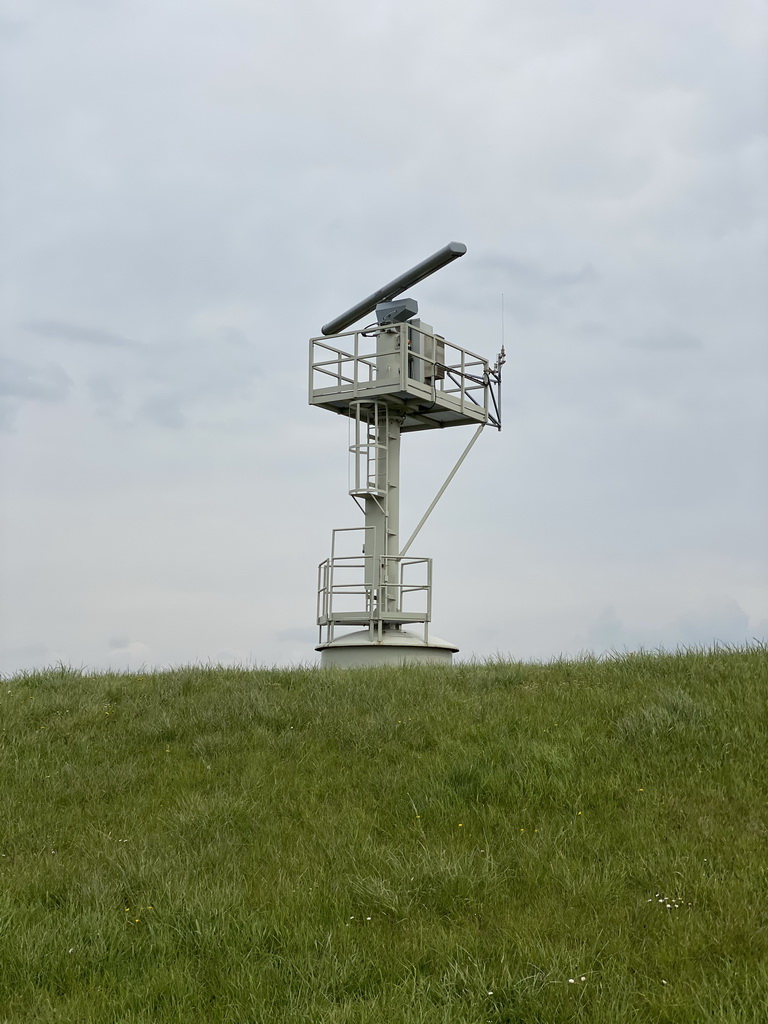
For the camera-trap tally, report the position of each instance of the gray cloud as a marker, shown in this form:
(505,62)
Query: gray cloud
(667,341)
(18,379)
(719,620)
(231,657)
(127,651)
(22,382)
(174,382)
(32,651)
(72,332)
(523,273)
(163,410)
(296,635)
(167,383)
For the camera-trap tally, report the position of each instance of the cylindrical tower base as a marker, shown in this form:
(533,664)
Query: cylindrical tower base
(397,647)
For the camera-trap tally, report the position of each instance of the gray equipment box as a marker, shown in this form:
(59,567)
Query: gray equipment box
(426,353)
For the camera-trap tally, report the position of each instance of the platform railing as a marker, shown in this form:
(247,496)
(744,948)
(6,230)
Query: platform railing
(344,368)
(346,598)
(352,368)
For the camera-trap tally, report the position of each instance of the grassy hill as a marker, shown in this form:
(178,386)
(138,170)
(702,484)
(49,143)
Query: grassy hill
(506,843)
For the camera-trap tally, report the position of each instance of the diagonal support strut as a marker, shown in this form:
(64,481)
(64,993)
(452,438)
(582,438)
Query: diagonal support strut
(442,490)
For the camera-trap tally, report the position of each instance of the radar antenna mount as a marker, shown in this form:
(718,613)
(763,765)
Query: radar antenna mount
(389,378)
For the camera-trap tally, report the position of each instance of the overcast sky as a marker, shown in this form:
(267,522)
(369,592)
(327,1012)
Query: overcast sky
(191,188)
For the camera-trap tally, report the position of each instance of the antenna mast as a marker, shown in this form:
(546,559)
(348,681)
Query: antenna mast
(390,378)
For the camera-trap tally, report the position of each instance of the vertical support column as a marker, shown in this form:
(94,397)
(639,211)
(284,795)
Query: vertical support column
(392,526)
(382,509)
(375,498)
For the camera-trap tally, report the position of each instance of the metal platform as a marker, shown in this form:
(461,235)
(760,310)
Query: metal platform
(377,592)
(428,381)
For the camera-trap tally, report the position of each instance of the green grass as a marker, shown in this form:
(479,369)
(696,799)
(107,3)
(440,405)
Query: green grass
(420,845)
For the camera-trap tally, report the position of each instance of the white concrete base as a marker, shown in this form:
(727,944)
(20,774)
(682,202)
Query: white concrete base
(397,647)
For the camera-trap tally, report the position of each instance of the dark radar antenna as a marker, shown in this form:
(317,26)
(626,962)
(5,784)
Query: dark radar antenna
(381,299)
(391,377)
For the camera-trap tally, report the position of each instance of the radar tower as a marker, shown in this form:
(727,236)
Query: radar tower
(392,377)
